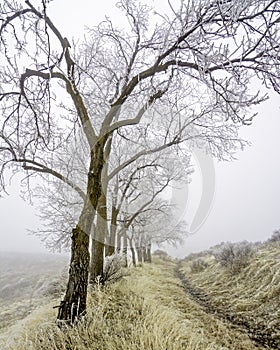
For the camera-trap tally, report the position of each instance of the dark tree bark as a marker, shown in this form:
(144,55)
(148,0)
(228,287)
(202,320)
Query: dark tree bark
(74,304)
(97,261)
(99,236)
(113,231)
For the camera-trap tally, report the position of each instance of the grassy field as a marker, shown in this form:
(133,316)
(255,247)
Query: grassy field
(147,309)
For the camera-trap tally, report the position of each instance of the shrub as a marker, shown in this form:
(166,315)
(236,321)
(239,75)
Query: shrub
(194,256)
(198,265)
(113,268)
(235,256)
(162,254)
(54,288)
(275,237)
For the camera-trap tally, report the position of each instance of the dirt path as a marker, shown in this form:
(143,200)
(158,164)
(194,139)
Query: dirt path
(258,335)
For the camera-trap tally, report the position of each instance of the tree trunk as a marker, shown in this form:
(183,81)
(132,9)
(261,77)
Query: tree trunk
(149,253)
(74,303)
(145,257)
(106,250)
(110,248)
(119,242)
(125,249)
(97,261)
(132,252)
(113,231)
(98,240)
(139,255)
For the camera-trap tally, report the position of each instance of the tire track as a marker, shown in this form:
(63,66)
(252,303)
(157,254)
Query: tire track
(257,333)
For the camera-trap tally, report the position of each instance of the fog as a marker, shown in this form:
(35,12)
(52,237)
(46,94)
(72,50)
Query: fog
(247,195)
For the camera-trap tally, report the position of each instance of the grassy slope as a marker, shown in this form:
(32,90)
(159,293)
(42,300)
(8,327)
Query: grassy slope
(148,309)
(252,295)
(25,280)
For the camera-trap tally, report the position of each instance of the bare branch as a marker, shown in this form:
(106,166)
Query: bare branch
(139,115)
(40,168)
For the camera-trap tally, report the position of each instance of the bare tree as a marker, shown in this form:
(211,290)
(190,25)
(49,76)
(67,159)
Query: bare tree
(138,190)
(195,63)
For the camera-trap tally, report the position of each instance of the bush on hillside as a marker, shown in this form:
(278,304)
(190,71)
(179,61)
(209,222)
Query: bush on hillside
(162,254)
(113,268)
(198,265)
(55,288)
(235,256)
(194,256)
(275,237)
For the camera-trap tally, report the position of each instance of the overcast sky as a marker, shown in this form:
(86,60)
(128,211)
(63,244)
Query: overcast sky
(247,196)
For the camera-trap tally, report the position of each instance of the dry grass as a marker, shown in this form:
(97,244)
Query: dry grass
(146,310)
(251,295)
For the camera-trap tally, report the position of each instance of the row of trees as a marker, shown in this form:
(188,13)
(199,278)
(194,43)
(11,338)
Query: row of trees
(133,213)
(110,123)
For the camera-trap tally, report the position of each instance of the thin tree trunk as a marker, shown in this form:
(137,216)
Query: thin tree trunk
(132,252)
(144,252)
(149,253)
(113,231)
(125,249)
(119,242)
(139,255)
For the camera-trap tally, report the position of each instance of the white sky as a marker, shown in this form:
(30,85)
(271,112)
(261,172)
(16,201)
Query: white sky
(247,199)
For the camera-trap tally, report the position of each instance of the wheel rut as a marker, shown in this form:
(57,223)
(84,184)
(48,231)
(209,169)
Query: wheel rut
(259,335)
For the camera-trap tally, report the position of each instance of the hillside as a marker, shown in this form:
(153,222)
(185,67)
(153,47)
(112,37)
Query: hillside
(249,298)
(26,281)
(150,308)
